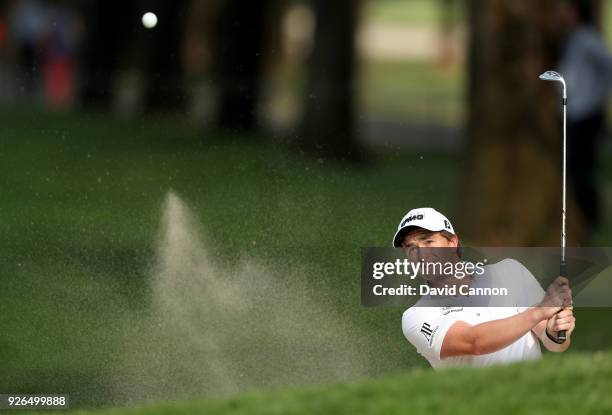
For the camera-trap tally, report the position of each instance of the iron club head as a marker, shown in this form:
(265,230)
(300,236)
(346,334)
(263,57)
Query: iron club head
(551,76)
(555,76)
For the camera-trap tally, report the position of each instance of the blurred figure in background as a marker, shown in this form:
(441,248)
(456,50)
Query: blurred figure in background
(450,18)
(44,38)
(586,65)
(5,73)
(27,23)
(62,40)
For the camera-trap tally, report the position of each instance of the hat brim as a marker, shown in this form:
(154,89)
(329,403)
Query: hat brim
(401,233)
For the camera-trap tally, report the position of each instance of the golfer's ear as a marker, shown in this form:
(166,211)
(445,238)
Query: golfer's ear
(454,241)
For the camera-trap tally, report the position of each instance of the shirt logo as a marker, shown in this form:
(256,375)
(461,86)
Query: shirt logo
(448,310)
(427,331)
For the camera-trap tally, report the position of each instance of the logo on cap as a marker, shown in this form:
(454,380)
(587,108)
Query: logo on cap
(411,218)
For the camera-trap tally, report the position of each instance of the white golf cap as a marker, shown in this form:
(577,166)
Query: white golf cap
(426,218)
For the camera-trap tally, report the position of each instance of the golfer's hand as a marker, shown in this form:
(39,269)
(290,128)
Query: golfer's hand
(563,320)
(558,295)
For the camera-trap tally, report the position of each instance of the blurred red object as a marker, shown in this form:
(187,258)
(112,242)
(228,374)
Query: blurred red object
(58,76)
(3,31)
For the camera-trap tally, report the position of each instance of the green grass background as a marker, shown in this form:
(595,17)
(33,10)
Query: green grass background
(81,205)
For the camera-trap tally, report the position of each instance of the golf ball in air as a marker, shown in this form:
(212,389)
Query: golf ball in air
(149,20)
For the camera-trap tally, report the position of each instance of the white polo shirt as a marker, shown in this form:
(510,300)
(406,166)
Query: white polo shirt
(425,324)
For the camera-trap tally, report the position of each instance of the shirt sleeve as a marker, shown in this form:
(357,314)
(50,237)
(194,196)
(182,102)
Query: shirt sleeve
(425,328)
(531,290)
(535,292)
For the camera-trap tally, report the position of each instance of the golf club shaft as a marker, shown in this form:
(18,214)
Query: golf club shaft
(561,335)
(564,186)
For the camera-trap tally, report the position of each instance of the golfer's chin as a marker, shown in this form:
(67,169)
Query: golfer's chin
(443,280)
(433,280)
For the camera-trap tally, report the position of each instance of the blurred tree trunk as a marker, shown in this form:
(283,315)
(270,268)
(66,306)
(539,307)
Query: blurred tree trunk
(328,128)
(512,183)
(109,27)
(239,54)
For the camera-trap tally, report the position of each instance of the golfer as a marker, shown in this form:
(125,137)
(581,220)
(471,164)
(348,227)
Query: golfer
(477,335)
